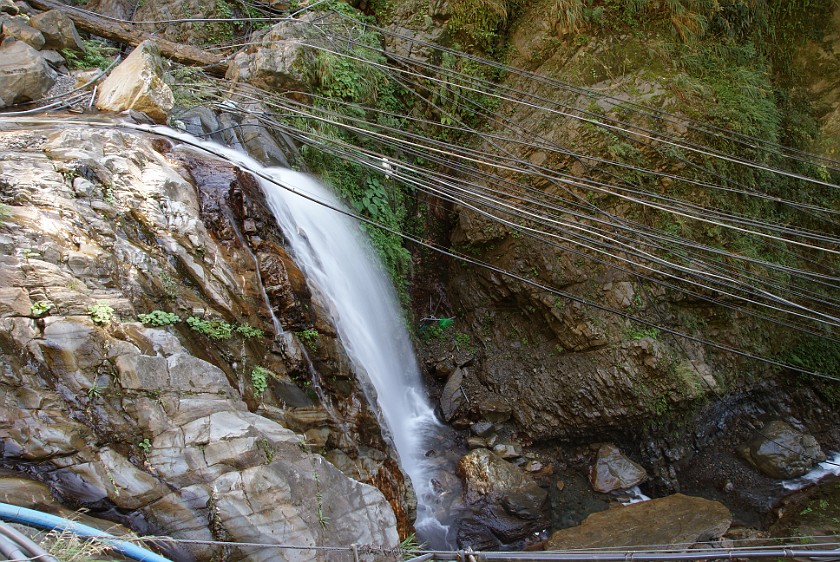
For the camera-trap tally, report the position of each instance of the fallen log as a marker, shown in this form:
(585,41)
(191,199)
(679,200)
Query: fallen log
(130,35)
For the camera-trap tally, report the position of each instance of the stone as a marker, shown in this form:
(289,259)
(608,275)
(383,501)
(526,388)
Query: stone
(673,520)
(137,83)
(24,74)
(482,428)
(452,396)
(495,410)
(277,63)
(781,451)
(8,7)
(23,32)
(508,450)
(506,504)
(58,30)
(614,471)
(476,443)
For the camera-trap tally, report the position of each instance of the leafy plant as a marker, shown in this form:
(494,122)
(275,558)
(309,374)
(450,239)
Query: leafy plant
(259,378)
(309,338)
(462,341)
(145,444)
(97,55)
(100,313)
(641,332)
(213,329)
(247,331)
(40,308)
(159,318)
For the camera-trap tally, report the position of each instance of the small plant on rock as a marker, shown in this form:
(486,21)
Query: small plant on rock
(259,378)
(40,308)
(159,318)
(247,331)
(100,313)
(214,329)
(145,444)
(309,338)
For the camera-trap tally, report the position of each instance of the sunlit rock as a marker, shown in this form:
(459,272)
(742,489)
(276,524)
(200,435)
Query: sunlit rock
(137,83)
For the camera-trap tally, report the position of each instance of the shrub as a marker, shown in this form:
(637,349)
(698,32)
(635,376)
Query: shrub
(247,331)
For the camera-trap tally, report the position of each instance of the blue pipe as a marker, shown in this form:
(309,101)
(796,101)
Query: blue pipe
(46,521)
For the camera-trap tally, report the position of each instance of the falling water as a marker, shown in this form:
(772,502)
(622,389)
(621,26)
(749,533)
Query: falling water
(333,252)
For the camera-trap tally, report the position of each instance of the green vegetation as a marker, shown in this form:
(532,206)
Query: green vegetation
(100,313)
(247,331)
(634,332)
(97,55)
(434,328)
(40,308)
(213,329)
(159,318)
(145,444)
(309,338)
(259,378)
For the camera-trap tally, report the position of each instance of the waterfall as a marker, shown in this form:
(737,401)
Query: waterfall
(336,257)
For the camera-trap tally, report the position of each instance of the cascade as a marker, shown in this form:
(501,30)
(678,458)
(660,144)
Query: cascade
(332,251)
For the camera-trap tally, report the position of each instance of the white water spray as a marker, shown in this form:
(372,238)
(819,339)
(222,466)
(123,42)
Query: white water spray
(335,256)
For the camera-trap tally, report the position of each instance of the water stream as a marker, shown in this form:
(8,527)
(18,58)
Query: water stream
(334,254)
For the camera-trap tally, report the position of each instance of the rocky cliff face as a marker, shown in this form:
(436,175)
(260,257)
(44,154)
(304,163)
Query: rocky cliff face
(159,425)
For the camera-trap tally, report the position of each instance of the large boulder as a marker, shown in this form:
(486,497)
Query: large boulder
(58,30)
(506,504)
(673,520)
(137,83)
(781,451)
(24,74)
(614,471)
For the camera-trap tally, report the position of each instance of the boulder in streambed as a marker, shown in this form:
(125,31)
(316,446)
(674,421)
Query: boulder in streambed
(507,505)
(137,83)
(677,519)
(613,471)
(781,451)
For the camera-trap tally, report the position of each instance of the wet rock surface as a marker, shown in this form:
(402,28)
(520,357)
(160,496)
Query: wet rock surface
(781,451)
(506,504)
(161,427)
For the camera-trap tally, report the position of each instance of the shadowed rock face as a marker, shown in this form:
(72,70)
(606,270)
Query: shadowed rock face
(163,423)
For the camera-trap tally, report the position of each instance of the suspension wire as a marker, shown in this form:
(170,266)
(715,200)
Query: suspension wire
(275,125)
(360,131)
(501,271)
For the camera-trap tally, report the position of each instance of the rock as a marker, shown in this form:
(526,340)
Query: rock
(137,83)
(508,450)
(482,428)
(495,410)
(8,7)
(780,451)
(673,520)
(59,31)
(277,63)
(476,443)
(24,74)
(23,32)
(506,503)
(613,471)
(452,396)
